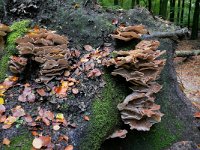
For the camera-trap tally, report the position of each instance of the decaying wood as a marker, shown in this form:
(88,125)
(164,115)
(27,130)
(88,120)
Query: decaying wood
(187,53)
(176,33)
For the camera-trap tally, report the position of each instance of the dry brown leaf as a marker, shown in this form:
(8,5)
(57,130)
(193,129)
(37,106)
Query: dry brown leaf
(94,73)
(34,133)
(18,112)
(56,127)
(6,141)
(119,134)
(197,115)
(86,118)
(2,109)
(75,91)
(69,147)
(88,48)
(6,126)
(37,143)
(41,92)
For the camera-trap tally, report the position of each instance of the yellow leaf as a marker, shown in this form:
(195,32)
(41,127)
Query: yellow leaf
(1,101)
(60,116)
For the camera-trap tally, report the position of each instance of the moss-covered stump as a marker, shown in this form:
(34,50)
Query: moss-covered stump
(85,25)
(176,125)
(18,29)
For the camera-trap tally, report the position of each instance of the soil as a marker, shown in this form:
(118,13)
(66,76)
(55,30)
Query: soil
(188,70)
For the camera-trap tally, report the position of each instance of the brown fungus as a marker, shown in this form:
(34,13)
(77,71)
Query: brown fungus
(129,33)
(4,29)
(141,68)
(48,49)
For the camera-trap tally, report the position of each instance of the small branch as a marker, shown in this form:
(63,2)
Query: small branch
(181,32)
(187,53)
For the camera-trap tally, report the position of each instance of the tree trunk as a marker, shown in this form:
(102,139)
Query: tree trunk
(195,24)
(138,2)
(182,12)
(116,2)
(163,8)
(149,5)
(190,5)
(178,14)
(172,10)
(132,3)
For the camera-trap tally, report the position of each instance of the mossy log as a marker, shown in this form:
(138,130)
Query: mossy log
(92,26)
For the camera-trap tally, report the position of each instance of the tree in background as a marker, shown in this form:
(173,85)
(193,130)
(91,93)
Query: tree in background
(116,2)
(182,12)
(163,8)
(172,10)
(195,24)
(189,12)
(149,5)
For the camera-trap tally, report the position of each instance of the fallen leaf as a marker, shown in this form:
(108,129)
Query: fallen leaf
(41,141)
(197,115)
(1,101)
(56,127)
(2,109)
(28,118)
(6,126)
(63,137)
(34,133)
(10,120)
(69,147)
(60,116)
(6,141)
(88,48)
(75,91)
(41,92)
(119,134)
(94,73)
(86,118)
(18,112)
(196,104)
(27,95)
(37,143)
(2,118)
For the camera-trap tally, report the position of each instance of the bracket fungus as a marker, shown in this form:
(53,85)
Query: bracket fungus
(141,68)
(4,29)
(46,48)
(130,32)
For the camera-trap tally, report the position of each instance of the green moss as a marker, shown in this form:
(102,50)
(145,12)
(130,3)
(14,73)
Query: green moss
(18,30)
(105,115)
(22,142)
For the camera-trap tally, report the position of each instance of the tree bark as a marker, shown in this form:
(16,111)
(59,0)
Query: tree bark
(149,5)
(195,24)
(178,14)
(190,5)
(172,10)
(163,8)
(182,12)
(116,2)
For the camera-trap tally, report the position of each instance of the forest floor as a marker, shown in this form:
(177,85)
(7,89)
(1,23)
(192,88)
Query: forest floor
(188,70)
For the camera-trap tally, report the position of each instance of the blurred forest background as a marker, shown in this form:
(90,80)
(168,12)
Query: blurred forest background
(182,12)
